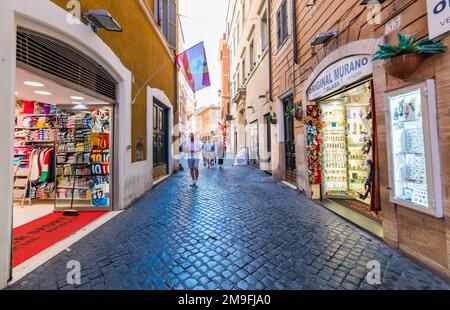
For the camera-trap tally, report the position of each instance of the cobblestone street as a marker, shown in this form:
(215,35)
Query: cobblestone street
(239,229)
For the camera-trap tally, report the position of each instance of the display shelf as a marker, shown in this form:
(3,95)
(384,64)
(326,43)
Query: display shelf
(39,115)
(74,199)
(70,152)
(72,164)
(33,128)
(40,141)
(409,153)
(70,187)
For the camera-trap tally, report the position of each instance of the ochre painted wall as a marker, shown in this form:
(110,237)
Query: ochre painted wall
(141,51)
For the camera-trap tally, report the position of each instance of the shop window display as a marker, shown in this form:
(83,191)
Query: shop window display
(34,150)
(347,158)
(83,157)
(65,153)
(414,160)
(313,127)
(410,178)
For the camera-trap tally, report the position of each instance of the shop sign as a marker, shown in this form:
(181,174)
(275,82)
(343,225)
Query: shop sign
(340,74)
(438,17)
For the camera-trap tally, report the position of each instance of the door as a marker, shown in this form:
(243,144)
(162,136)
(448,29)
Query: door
(160,140)
(290,171)
(254,144)
(235,143)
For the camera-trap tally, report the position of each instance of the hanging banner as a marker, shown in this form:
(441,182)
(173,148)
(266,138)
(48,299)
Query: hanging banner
(340,74)
(194,66)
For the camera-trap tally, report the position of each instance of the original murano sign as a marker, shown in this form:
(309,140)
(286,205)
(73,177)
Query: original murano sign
(340,74)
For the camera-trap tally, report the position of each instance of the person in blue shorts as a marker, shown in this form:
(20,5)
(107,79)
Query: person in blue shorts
(193,149)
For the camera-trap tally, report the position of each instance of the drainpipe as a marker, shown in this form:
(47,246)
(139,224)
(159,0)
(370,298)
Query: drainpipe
(294,31)
(269,19)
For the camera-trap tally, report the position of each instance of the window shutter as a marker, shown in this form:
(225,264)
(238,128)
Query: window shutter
(279,28)
(157,11)
(165,18)
(285,20)
(172,33)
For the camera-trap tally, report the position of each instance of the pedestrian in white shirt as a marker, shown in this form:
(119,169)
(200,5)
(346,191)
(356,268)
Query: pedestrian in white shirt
(193,149)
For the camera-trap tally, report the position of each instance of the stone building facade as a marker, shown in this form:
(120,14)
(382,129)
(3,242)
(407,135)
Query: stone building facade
(323,36)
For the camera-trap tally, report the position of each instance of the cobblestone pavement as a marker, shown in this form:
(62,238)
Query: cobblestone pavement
(239,229)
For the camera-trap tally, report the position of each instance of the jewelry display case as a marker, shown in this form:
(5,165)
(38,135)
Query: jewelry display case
(413,148)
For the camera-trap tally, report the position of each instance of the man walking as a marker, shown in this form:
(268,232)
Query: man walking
(193,149)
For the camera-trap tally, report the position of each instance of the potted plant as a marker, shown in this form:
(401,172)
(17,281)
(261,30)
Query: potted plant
(403,59)
(272,118)
(294,110)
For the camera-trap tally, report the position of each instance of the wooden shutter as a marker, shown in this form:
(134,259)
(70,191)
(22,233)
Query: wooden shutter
(172,24)
(285,20)
(157,11)
(165,18)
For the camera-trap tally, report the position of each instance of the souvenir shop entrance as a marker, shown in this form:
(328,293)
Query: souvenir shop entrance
(348,155)
(63,155)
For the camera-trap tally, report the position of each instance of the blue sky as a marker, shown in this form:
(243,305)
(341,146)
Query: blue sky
(205,20)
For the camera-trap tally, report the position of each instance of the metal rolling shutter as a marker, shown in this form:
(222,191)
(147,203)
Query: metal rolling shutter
(40,53)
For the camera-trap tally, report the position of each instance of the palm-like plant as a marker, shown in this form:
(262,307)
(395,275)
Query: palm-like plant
(408,45)
(290,108)
(271,117)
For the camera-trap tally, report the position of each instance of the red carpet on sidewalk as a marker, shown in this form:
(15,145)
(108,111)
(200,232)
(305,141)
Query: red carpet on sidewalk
(36,236)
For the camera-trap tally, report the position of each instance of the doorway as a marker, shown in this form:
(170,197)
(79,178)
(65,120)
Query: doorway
(63,159)
(289,144)
(160,140)
(254,144)
(348,155)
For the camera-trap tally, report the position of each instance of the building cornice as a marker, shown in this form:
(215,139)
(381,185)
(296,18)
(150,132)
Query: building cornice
(150,18)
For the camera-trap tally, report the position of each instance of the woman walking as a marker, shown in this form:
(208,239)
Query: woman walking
(209,152)
(220,154)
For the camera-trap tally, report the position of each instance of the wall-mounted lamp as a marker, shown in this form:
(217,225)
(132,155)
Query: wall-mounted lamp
(101,19)
(366,2)
(324,37)
(311,3)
